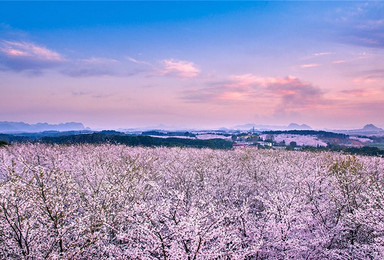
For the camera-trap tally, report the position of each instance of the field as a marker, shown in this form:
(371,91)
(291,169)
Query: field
(114,201)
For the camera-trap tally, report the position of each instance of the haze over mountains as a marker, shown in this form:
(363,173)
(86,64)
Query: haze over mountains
(18,127)
(291,126)
(368,140)
(22,127)
(368,129)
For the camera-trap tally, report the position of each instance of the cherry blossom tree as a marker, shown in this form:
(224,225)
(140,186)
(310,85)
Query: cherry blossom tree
(114,201)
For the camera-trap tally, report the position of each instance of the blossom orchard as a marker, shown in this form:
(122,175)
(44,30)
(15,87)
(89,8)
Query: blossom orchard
(114,201)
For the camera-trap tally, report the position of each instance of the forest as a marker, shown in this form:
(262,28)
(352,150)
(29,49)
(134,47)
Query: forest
(114,137)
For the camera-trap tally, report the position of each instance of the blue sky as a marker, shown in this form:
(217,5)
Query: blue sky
(192,64)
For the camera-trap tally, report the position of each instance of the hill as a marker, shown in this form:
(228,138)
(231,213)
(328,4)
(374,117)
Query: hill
(371,127)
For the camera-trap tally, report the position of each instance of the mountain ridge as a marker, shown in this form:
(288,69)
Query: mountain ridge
(291,126)
(17,127)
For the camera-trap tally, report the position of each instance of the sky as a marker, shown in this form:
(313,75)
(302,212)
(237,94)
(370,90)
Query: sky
(193,64)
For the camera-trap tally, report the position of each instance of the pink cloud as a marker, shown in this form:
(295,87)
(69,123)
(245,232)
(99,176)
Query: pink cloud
(179,68)
(322,53)
(250,79)
(287,93)
(91,67)
(20,56)
(296,95)
(233,96)
(95,60)
(370,93)
(30,50)
(311,65)
(138,61)
(270,97)
(355,92)
(338,61)
(27,56)
(368,77)
(100,67)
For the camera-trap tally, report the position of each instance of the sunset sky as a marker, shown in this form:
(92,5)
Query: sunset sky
(193,64)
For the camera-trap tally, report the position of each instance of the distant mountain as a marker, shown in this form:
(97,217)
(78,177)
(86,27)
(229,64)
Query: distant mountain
(19,127)
(258,127)
(291,126)
(294,126)
(371,127)
(367,130)
(160,127)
